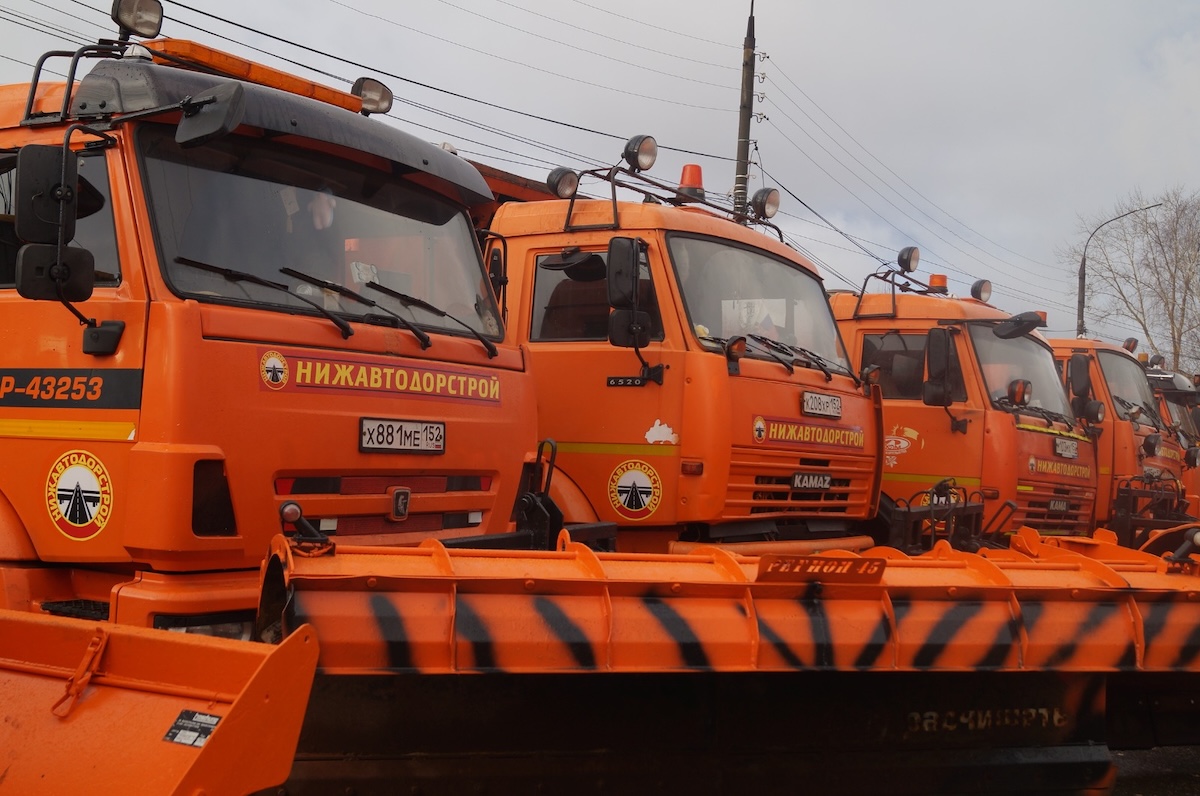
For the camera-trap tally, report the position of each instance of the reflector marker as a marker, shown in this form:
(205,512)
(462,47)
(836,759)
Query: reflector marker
(690,649)
(395,636)
(469,627)
(944,632)
(68,429)
(569,633)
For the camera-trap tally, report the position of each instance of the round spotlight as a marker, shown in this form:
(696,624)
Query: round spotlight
(981,290)
(765,202)
(908,259)
(563,182)
(640,152)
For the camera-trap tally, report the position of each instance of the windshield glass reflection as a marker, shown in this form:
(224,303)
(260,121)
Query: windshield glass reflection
(259,207)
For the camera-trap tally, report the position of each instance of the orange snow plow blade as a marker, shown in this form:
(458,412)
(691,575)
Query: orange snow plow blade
(577,671)
(99,708)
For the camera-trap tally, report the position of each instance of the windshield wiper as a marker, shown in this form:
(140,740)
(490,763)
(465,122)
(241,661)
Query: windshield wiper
(770,349)
(1049,415)
(1135,411)
(420,334)
(813,357)
(413,301)
(242,276)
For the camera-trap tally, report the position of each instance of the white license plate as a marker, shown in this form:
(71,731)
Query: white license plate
(401,436)
(1059,506)
(812,481)
(1067,448)
(818,403)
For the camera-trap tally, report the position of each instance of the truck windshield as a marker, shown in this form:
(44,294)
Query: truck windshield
(1132,396)
(1181,418)
(730,291)
(1023,357)
(257,207)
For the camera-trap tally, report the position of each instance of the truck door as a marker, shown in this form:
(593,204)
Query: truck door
(616,423)
(923,443)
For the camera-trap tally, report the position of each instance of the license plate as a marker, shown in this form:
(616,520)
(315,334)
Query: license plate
(401,436)
(1059,506)
(812,481)
(1067,448)
(818,403)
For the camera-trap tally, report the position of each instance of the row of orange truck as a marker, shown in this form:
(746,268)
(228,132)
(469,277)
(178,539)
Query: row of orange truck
(310,483)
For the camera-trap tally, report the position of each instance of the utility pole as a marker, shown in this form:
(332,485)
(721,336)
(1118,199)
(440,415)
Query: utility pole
(745,113)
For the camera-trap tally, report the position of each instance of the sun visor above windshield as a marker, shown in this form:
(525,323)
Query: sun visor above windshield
(128,86)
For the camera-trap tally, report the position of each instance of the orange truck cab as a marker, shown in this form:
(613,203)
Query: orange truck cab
(236,293)
(971,399)
(688,367)
(1177,406)
(1140,461)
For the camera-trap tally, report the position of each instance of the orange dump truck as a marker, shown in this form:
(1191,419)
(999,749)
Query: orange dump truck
(179,394)
(1141,463)
(688,367)
(971,398)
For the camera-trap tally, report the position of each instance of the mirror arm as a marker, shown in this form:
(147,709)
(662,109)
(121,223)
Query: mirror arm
(957,424)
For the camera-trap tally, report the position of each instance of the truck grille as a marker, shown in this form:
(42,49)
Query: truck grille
(1040,506)
(760,484)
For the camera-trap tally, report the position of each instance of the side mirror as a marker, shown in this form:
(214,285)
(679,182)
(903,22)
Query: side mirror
(1192,457)
(45,195)
(41,275)
(212,116)
(629,328)
(1020,391)
(622,273)
(937,355)
(936,393)
(1079,377)
(496,272)
(1195,413)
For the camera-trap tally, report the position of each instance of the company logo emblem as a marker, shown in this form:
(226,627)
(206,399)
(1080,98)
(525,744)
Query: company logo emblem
(79,495)
(635,490)
(760,429)
(274,370)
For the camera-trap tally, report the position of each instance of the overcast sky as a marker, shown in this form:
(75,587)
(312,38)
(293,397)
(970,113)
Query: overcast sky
(981,132)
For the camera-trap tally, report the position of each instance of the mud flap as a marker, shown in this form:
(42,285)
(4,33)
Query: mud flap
(97,708)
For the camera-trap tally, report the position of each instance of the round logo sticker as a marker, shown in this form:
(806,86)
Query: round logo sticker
(274,370)
(760,429)
(79,495)
(635,490)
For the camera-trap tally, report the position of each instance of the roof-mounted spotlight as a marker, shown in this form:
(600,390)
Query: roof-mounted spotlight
(1157,361)
(765,202)
(981,290)
(376,97)
(640,152)
(138,18)
(563,182)
(908,259)
(1130,344)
